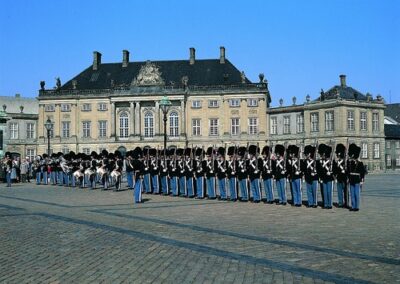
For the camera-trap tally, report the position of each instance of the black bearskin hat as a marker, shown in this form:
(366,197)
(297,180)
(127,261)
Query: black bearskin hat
(279,149)
(210,150)
(253,150)
(231,150)
(309,149)
(354,151)
(221,151)
(242,151)
(265,150)
(340,150)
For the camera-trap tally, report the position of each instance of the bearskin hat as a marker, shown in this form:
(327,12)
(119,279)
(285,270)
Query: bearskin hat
(199,152)
(152,152)
(279,149)
(210,151)
(242,151)
(253,150)
(231,150)
(265,150)
(354,151)
(221,151)
(328,151)
(309,149)
(340,150)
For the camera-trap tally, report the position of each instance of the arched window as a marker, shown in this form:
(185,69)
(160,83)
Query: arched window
(123,125)
(148,124)
(173,124)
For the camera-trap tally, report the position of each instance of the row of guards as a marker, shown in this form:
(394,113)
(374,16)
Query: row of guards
(227,173)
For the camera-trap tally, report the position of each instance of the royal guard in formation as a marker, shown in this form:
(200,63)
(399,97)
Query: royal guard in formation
(233,173)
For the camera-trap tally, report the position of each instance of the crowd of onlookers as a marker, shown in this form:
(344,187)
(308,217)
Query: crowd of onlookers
(15,170)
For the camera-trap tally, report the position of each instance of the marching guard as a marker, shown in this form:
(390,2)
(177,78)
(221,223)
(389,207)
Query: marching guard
(154,170)
(356,172)
(242,174)
(309,168)
(173,173)
(279,171)
(164,172)
(221,173)
(295,174)
(211,165)
(254,173)
(188,172)
(199,167)
(266,174)
(339,172)
(325,174)
(138,168)
(231,173)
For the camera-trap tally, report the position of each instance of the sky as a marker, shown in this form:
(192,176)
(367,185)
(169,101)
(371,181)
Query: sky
(300,46)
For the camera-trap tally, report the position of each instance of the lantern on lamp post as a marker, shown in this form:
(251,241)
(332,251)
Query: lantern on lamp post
(165,104)
(49,127)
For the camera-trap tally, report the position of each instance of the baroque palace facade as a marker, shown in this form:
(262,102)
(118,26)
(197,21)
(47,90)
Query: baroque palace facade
(340,115)
(115,106)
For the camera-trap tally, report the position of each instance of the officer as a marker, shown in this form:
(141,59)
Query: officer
(295,174)
(356,172)
(340,175)
(266,174)
(231,173)
(325,174)
(309,168)
(221,173)
(129,169)
(254,173)
(138,168)
(242,174)
(279,172)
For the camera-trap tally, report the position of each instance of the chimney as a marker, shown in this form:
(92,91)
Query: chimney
(17,96)
(192,55)
(125,58)
(96,60)
(222,55)
(343,80)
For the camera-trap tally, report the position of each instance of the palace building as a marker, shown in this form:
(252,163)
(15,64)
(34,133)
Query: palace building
(116,106)
(340,115)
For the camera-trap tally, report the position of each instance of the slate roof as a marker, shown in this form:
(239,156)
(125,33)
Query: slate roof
(202,73)
(344,92)
(13,104)
(392,131)
(393,111)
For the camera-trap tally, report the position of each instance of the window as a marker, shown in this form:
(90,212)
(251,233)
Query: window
(350,120)
(14,130)
(388,160)
(363,120)
(123,125)
(397,144)
(329,121)
(234,102)
(300,123)
(86,107)
(252,102)
(212,103)
(86,129)
(65,129)
(196,127)
(65,107)
(286,125)
(103,128)
(86,151)
(213,127)
(388,144)
(196,104)
(253,126)
(398,161)
(235,126)
(274,125)
(377,150)
(65,150)
(30,130)
(30,153)
(314,122)
(375,121)
(173,124)
(148,124)
(102,107)
(49,108)
(364,150)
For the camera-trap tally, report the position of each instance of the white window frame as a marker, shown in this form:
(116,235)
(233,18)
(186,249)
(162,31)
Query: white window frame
(235,126)
(102,128)
(286,124)
(49,108)
(300,123)
(86,107)
(31,154)
(234,102)
(388,160)
(364,150)
(65,107)
(314,117)
(65,150)
(148,124)
(174,124)
(86,129)
(30,130)
(253,125)
(274,125)
(363,121)
(377,148)
(196,127)
(329,121)
(397,145)
(252,102)
(66,129)
(375,121)
(102,107)
(123,125)
(214,127)
(350,120)
(196,104)
(86,151)
(398,160)
(213,103)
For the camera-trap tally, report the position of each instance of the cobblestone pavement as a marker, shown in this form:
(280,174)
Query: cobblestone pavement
(63,235)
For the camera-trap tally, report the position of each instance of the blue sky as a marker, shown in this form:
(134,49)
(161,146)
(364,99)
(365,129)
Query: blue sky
(300,46)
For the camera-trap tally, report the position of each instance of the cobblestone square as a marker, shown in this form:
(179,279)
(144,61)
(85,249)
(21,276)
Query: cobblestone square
(52,234)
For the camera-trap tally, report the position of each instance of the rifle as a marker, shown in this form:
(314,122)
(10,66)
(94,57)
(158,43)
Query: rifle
(213,157)
(333,149)
(234,157)
(258,144)
(315,158)
(191,157)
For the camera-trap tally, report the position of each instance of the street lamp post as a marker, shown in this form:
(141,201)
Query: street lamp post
(165,104)
(49,126)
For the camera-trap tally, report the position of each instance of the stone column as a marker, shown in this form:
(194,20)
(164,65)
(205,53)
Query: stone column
(132,120)
(137,119)
(157,119)
(113,126)
(183,118)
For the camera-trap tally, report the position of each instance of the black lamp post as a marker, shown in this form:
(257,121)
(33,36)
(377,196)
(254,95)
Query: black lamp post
(49,126)
(165,104)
